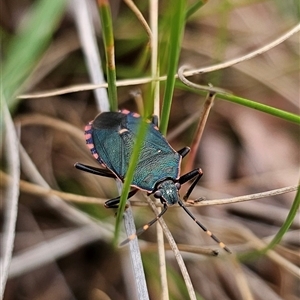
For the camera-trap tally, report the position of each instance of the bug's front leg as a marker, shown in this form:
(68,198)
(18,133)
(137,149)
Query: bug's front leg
(197,174)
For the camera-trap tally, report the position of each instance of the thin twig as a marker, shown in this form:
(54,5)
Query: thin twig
(155,88)
(136,258)
(200,202)
(241,279)
(209,88)
(162,261)
(43,191)
(209,101)
(35,189)
(176,252)
(11,197)
(248,56)
(151,247)
(86,87)
(83,16)
(154,55)
(140,17)
(249,197)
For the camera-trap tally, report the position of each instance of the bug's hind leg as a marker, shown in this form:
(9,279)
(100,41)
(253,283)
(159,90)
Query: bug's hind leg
(114,202)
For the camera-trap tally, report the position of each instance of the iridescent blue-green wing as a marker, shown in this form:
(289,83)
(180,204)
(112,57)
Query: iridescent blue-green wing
(112,140)
(107,141)
(157,160)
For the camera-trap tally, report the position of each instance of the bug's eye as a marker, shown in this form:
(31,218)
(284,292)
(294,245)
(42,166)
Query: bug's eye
(178,185)
(157,194)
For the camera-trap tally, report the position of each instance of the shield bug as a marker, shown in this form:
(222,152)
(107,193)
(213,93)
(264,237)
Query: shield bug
(111,137)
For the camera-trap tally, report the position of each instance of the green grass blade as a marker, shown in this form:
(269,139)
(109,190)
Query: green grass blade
(28,45)
(194,7)
(287,224)
(176,32)
(263,108)
(291,117)
(276,240)
(108,39)
(129,176)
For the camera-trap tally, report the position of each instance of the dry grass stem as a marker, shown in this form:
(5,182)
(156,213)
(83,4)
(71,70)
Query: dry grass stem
(175,250)
(11,199)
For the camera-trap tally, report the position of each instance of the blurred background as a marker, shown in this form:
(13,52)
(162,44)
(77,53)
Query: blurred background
(59,253)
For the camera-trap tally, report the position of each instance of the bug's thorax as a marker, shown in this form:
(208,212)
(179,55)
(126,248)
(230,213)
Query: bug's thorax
(167,192)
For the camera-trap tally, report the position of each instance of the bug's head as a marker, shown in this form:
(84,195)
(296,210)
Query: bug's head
(167,192)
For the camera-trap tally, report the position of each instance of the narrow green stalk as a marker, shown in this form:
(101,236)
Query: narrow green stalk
(249,103)
(286,225)
(108,39)
(262,107)
(129,176)
(194,7)
(276,240)
(174,46)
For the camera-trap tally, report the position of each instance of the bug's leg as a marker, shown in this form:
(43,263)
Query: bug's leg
(197,173)
(184,151)
(114,202)
(221,244)
(94,170)
(145,227)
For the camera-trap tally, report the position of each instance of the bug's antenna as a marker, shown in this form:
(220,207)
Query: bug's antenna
(145,227)
(221,244)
